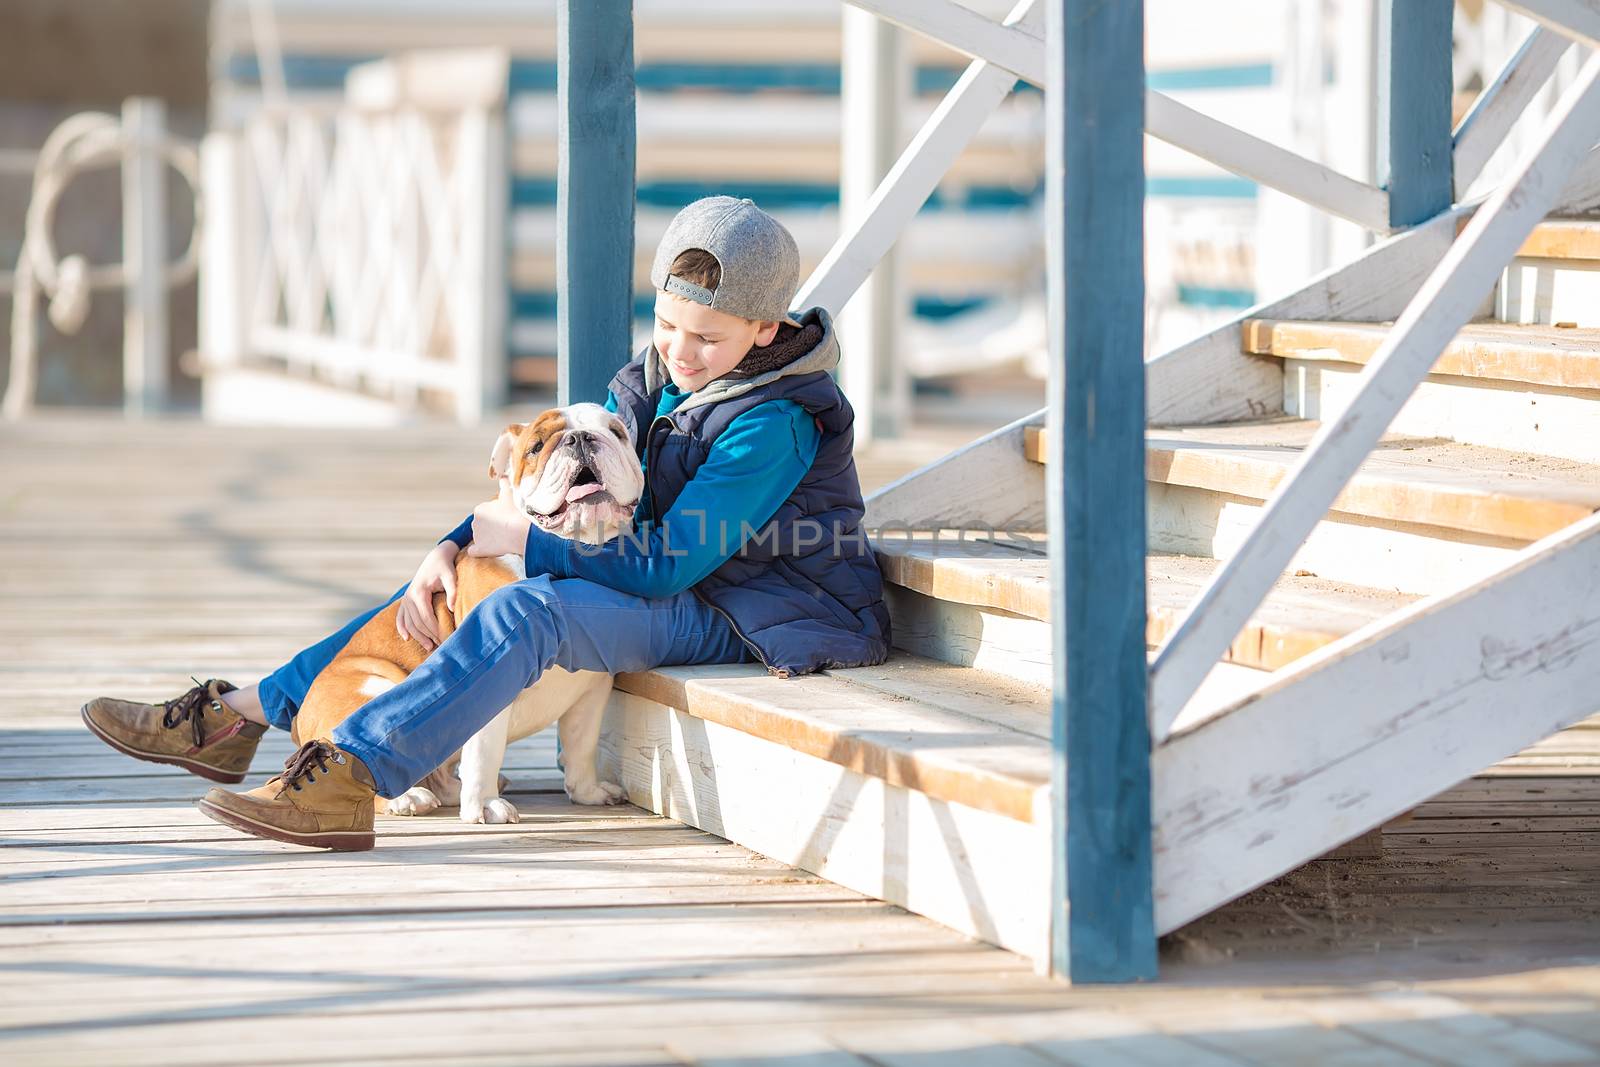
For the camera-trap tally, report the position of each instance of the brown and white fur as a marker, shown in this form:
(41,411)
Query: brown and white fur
(574,472)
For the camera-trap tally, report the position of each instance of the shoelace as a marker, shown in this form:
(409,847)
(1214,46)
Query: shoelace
(190,707)
(313,755)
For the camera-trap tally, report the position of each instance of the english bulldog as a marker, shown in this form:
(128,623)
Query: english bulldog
(574,472)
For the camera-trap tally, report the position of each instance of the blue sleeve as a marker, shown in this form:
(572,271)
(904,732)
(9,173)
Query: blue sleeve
(751,470)
(462,535)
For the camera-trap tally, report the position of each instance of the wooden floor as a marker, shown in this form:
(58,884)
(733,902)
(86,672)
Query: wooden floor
(133,931)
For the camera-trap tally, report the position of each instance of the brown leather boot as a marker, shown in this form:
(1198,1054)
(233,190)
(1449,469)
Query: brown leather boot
(323,799)
(195,731)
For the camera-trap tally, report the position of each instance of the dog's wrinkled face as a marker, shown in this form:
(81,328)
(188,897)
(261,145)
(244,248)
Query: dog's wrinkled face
(573,471)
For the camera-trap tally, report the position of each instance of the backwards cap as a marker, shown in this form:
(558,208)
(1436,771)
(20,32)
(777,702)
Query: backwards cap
(759,259)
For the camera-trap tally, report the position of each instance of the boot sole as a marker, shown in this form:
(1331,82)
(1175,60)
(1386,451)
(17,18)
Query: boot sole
(337,841)
(201,770)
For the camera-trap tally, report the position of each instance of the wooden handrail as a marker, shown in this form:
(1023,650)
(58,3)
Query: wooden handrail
(1579,19)
(1019,48)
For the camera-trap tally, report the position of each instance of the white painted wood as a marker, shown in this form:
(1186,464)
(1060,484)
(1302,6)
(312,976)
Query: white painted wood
(1209,380)
(969,636)
(382,264)
(1020,49)
(875,87)
(912,179)
(1582,194)
(1503,101)
(1445,303)
(1545,292)
(146,337)
(1203,381)
(1370,726)
(1265,162)
(1518,418)
(976,872)
(986,485)
(1382,554)
(1578,19)
(1009,44)
(225,251)
(479,308)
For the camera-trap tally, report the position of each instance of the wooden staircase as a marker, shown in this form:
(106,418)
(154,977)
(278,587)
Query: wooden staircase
(925,781)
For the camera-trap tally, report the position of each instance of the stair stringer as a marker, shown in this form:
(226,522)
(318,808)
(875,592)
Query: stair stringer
(1372,725)
(989,483)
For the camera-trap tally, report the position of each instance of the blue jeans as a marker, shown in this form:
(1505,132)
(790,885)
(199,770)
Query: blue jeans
(502,647)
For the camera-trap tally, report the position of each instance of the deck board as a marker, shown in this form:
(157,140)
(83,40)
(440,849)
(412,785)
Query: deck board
(133,931)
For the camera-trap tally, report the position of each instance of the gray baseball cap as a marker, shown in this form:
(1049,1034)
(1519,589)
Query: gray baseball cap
(759,259)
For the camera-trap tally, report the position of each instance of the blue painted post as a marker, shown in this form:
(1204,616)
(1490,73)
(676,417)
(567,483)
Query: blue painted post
(596,143)
(1414,87)
(1102,926)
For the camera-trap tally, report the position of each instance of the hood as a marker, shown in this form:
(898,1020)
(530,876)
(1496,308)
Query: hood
(804,344)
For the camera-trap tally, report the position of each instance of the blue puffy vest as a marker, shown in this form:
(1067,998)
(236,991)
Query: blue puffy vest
(805,591)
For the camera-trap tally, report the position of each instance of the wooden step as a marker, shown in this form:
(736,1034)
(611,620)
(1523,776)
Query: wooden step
(918,782)
(1538,355)
(936,735)
(1421,516)
(1555,276)
(1563,239)
(1427,482)
(1301,614)
(1516,387)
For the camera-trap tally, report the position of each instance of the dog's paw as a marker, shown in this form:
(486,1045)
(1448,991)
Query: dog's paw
(494,810)
(418,800)
(598,793)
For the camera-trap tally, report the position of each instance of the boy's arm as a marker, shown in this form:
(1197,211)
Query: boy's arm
(751,470)
(461,536)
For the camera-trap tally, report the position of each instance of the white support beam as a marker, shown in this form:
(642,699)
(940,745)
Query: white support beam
(1578,19)
(1009,44)
(1251,157)
(913,178)
(1503,101)
(1370,726)
(875,87)
(1019,48)
(146,337)
(1446,302)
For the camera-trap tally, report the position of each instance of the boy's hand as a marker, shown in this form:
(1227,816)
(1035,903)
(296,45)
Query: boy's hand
(415,619)
(499,528)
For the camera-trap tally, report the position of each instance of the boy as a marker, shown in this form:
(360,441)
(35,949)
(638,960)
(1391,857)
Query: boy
(748,546)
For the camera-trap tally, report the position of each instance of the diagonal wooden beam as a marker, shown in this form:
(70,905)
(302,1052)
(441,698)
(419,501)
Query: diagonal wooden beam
(1362,730)
(913,177)
(1578,19)
(1498,107)
(1448,299)
(1019,48)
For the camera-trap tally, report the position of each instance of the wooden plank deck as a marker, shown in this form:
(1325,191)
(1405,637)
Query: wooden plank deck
(133,931)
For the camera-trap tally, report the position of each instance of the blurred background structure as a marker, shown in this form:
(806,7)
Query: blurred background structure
(371,162)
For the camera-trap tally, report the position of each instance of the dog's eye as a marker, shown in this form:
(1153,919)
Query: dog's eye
(534,451)
(621,432)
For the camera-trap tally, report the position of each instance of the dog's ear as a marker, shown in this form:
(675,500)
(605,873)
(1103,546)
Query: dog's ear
(500,458)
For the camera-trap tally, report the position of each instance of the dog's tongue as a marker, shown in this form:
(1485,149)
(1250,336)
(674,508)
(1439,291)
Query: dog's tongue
(578,492)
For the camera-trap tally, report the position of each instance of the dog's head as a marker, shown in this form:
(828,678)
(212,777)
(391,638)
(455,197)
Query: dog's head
(572,470)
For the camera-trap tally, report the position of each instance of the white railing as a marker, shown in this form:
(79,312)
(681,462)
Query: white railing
(1015,48)
(365,246)
(1445,303)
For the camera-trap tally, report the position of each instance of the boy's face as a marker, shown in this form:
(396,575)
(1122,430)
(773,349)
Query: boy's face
(699,344)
